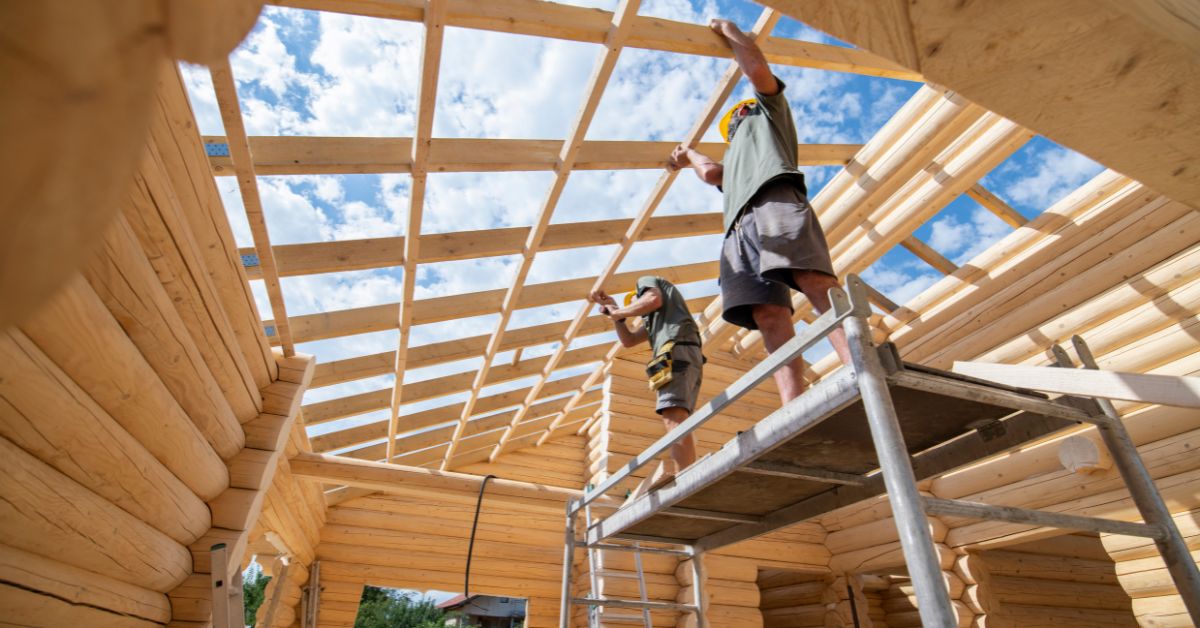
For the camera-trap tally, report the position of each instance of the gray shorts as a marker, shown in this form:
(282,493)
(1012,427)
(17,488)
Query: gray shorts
(687,370)
(777,233)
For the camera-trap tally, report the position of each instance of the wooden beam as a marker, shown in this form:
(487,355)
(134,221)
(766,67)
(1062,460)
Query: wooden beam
(340,407)
(568,154)
(385,477)
(421,356)
(345,255)
(560,21)
(996,205)
(438,309)
(291,155)
(431,61)
(442,414)
(243,165)
(1109,79)
(1141,387)
(928,255)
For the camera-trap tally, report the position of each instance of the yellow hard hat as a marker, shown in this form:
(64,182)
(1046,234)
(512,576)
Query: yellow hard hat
(725,119)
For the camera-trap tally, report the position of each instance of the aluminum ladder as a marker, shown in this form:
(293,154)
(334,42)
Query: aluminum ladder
(595,601)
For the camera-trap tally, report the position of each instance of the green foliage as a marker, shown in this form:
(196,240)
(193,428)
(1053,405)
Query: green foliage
(386,608)
(254,584)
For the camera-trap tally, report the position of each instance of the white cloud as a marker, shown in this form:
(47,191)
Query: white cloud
(203,97)
(900,282)
(1055,173)
(960,241)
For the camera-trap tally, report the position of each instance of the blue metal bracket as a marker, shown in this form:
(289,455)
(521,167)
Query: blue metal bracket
(270,330)
(217,149)
(250,260)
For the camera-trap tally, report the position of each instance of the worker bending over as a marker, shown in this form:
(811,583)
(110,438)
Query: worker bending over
(773,241)
(676,366)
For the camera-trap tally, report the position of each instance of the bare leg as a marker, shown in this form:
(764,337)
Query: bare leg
(815,285)
(775,324)
(684,451)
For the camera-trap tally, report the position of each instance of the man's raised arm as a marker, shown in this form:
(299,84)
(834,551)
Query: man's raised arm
(748,56)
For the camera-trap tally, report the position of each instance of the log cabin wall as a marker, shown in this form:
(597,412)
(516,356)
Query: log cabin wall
(1063,581)
(144,413)
(793,599)
(1143,575)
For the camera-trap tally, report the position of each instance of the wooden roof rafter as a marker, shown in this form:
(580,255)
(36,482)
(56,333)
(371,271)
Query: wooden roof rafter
(431,55)
(243,161)
(601,73)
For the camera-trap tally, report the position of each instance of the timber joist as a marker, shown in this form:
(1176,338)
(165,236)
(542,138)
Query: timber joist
(374,318)
(365,155)
(345,255)
(561,21)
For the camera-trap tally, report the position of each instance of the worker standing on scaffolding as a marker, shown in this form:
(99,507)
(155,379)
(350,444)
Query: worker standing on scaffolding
(773,241)
(676,366)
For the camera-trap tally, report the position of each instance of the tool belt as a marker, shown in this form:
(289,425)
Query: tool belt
(660,369)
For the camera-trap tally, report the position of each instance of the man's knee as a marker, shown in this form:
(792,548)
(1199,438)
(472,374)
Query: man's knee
(815,280)
(769,316)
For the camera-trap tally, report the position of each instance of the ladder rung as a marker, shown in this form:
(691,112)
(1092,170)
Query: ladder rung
(618,603)
(610,573)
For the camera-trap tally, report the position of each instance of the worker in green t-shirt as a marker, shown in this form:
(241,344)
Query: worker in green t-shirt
(675,348)
(773,241)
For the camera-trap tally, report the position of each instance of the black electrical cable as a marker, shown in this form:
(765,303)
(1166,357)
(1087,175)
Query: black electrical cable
(471,545)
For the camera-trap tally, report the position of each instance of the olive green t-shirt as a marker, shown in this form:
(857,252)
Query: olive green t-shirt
(671,321)
(763,148)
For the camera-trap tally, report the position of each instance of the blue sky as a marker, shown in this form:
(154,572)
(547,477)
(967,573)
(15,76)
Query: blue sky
(303,73)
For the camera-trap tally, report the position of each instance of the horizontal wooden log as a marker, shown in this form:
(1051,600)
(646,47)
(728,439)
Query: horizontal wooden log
(46,414)
(125,281)
(1166,610)
(1126,548)
(1058,616)
(1113,504)
(78,587)
(1041,592)
(79,334)
(23,607)
(152,215)
(1041,566)
(44,512)
(1151,578)
(406,578)
(183,161)
(448,544)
